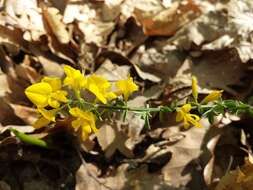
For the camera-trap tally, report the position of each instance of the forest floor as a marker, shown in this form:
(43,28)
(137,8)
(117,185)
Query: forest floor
(161,44)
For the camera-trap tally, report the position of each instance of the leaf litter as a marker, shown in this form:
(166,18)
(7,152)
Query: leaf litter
(161,44)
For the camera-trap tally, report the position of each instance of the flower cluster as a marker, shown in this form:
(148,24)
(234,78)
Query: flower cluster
(53,97)
(183,113)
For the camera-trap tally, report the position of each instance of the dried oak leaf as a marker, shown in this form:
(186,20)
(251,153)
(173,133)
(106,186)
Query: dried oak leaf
(58,28)
(239,179)
(111,139)
(183,166)
(166,22)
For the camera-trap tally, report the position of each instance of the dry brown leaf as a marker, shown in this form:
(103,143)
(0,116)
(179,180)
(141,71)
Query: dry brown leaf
(105,136)
(111,144)
(61,5)
(86,178)
(58,35)
(95,27)
(81,12)
(4,186)
(212,67)
(241,20)
(7,115)
(26,72)
(208,170)
(167,21)
(25,16)
(239,179)
(184,163)
(96,31)
(27,114)
(138,179)
(128,6)
(21,128)
(111,9)
(158,62)
(113,72)
(54,20)
(4,87)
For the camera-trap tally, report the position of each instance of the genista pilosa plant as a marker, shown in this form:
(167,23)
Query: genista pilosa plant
(67,98)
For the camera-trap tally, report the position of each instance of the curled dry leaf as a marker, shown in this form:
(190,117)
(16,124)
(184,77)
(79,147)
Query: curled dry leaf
(58,28)
(4,186)
(86,178)
(239,179)
(166,22)
(183,167)
(138,178)
(208,170)
(27,114)
(115,140)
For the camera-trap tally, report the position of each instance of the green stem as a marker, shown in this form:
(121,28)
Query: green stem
(125,108)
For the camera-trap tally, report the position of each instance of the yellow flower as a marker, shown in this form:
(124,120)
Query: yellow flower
(46,116)
(74,78)
(195,88)
(126,87)
(47,92)
(100,87)
(183,114)
(86,120)
(215,95)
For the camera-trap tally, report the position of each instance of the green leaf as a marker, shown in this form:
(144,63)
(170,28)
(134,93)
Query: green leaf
(29,139)
(147,124)
(124,115)
(219,109)
(210,118)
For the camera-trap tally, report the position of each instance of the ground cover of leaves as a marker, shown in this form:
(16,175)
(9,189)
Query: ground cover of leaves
(161,44)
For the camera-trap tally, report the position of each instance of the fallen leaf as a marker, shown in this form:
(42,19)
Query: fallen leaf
(182,168)
(27,114)
(239,179)
(115,141)
(54,20)
(166,22)
(4,186)
(105,136)
(86,178)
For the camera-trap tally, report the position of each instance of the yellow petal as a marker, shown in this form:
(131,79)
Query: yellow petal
(54,82)
(215,95)
(186,108)
(99,81)
(195,123)
(48,114)
(53,103)
(74,78)
(111,95)
(88,116)
(74,111)
(84,135)
(38,93)
(132,86)
(41,122)
(126,87)
(86,127)
(194,116)
(69,71)
(179,116)
(95,90)
(76,124)
(195,88)
(193,119)
(60,95)
(186,123)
